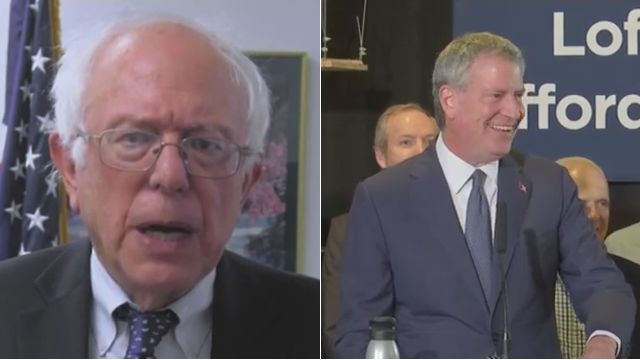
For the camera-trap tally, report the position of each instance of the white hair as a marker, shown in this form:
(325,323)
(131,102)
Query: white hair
(70,83)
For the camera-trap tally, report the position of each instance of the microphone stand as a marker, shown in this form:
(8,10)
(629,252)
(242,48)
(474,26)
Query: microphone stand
(501,247)
(505,332)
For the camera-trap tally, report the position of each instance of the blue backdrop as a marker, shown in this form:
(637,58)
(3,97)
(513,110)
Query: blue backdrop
(582,76)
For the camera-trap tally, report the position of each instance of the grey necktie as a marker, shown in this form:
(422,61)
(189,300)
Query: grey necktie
(478,231)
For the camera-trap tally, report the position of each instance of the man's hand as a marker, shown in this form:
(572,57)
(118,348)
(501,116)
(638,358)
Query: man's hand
(600,347)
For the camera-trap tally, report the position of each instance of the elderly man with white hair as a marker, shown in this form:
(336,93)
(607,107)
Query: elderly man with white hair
(159,126)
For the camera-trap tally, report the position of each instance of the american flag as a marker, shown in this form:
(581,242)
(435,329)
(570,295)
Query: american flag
(29,194)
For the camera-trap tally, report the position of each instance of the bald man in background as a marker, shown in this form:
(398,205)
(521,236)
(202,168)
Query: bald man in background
(402,131)
(593,190)
(625,242)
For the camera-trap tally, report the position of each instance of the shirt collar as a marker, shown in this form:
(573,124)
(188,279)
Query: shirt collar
(107,296)
(194,310)
(457,171)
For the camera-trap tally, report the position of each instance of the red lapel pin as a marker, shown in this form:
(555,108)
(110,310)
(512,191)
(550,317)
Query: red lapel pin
(522,187)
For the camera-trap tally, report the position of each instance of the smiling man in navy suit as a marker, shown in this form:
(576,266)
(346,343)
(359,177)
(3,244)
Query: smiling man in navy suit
(420,239)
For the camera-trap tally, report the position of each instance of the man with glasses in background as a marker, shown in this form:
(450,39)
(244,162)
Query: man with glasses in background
(159,129)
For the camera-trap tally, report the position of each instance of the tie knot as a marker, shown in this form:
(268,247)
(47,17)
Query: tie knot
(146,329)
(161,319)
(478,177)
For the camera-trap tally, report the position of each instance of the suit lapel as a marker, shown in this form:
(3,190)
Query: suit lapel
(441,220)
(514,189)
(59,327)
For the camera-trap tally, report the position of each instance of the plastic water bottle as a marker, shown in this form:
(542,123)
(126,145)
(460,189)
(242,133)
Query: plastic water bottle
(382,339)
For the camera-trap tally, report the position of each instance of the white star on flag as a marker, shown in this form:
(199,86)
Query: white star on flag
(38,61)
(52,185)
(31,157)
(37,220)
(14,211)
(22,131)
(17,170)
(46,123)
(35,6)
(26,90)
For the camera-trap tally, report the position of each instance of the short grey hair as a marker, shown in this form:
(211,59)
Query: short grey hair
(454,61)
(70,83)
(380,137)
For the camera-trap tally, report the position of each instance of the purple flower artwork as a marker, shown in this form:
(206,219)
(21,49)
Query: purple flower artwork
(267,229)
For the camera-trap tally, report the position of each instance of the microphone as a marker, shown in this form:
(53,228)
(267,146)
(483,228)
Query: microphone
(500,243)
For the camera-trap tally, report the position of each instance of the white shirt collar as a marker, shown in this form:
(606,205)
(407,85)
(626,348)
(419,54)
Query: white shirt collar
(457,171)
(195,312)
(107,296)
(193,309)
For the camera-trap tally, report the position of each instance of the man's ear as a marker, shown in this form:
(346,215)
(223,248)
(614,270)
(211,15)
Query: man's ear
(380,158)
(448,101)
(66,168)
(251,176)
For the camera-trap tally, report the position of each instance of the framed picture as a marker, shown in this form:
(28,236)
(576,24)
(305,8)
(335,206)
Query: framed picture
(270,227)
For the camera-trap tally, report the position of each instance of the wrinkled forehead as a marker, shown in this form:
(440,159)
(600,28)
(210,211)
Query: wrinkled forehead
(154,48)
(163,44)
(157,60)
(159,36)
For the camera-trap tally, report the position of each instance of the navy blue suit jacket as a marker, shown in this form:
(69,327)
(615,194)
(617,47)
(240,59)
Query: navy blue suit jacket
(406,255)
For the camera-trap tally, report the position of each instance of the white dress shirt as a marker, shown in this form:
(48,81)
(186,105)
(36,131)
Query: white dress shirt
(109,337)
(458,173)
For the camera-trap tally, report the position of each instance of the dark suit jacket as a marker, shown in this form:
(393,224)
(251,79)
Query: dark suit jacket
(331,269)
(406,256)
(631,272)
(45,305)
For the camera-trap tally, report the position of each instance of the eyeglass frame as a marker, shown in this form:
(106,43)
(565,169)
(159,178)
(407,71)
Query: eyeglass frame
(243,152)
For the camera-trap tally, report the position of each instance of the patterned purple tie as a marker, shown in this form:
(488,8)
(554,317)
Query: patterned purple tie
(146,329)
